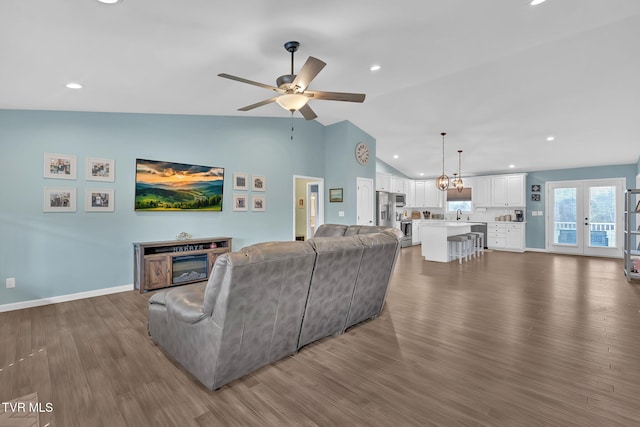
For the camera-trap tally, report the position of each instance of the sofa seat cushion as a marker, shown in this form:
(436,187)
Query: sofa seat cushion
(184,303)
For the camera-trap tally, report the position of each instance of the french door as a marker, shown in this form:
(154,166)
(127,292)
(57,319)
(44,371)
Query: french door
(585,217)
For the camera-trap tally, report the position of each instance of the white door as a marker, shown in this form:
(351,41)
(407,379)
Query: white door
(585,217)
(365,201)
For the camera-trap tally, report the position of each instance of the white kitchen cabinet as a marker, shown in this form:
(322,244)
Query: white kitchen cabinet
(415,232)
(433,198)
(481,193)
(397,185)
(419,200)
(410,191)
(508,190)
(383,182)
(515,237)
(505,236)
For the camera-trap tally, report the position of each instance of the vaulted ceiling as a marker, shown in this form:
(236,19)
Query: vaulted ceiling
(499,76)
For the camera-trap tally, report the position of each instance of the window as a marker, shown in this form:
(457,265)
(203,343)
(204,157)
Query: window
(456,200)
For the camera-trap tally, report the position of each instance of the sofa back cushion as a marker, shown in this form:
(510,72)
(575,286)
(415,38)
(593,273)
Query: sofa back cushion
(334,277)
(330,230)
(257,296)
(378,259)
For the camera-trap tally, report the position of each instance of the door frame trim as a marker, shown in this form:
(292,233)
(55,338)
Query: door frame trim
(321,204)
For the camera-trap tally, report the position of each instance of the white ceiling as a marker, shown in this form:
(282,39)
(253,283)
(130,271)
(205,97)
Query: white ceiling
(498,75)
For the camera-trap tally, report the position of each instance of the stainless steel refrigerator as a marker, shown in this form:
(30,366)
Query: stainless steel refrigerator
(384,209)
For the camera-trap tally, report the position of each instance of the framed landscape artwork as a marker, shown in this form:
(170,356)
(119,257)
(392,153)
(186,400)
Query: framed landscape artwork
(168,186)
(60,166)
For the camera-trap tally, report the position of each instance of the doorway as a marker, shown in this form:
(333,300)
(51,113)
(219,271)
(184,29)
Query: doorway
(585,217)
(308,206)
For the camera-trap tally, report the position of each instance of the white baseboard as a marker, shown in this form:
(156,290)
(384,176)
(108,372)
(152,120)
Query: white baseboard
(536,250)
(64,298)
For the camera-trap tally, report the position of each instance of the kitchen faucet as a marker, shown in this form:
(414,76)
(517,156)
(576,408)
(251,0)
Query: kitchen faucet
(458,214)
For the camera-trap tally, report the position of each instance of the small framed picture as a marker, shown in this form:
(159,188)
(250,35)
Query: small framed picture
(535,197)
(59,199)
(100,200)
(100,169)
(240,181)
(258,183)
(240,202)
(335,195)
(259,203)
(60,166)
(535,188)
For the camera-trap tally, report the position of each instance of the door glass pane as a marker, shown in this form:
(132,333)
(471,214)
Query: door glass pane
(564,216)
(602,216)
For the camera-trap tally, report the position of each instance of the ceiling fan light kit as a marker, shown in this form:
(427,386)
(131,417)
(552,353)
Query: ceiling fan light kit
(292,88)
(442,182)
(292,101)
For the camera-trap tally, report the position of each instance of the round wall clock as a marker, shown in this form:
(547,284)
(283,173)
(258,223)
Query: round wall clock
(362,153)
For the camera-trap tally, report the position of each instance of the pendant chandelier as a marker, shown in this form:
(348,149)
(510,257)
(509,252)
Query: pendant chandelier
(454,181)
(459,185)
(442,182)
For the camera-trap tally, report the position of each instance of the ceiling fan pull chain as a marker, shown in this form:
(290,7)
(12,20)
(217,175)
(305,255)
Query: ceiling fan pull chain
(292,125)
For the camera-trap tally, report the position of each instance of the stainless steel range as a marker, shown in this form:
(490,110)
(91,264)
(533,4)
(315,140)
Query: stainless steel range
(405,227)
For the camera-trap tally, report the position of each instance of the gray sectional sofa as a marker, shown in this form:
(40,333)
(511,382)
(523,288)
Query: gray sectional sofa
(268,300)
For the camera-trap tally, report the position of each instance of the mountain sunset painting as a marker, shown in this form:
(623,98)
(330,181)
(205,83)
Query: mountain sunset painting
(166,186)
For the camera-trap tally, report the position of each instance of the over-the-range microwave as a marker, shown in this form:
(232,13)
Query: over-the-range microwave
(399,199)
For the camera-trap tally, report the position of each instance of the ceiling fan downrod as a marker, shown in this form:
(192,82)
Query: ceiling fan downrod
(292,47)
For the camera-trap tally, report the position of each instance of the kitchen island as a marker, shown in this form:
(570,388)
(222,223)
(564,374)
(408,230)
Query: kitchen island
(433,237)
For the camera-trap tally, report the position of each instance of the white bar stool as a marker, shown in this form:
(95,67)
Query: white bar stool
(472,244)
(457,247)
(479,242)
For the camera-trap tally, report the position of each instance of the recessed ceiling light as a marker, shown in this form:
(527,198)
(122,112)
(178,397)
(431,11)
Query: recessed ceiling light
(395,156)
(74,85)
(551,138)
(512,166)
(109,1)
(421,174)
(375,67)
(537,2)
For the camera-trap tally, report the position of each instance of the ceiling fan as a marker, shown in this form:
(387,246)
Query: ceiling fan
(292,89)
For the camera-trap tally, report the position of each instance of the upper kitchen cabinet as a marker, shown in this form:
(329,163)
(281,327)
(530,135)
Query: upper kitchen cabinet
(397,185)
(481,193)
(410,191)
(433,198)
(509,190)
(383,182)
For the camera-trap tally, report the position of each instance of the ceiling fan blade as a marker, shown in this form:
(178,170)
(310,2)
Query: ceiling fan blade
(307,112)
(308,72)
(258,104)
(336,96)
(251,82)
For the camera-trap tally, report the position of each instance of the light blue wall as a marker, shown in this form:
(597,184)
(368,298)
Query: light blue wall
(383,167)
(536,224)
(342,169)
(53,254)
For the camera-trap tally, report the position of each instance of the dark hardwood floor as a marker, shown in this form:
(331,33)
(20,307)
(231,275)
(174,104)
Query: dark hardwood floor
(504,340)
